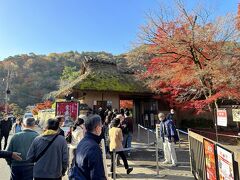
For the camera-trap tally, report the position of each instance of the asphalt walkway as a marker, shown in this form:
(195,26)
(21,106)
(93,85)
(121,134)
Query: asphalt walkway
(143,161)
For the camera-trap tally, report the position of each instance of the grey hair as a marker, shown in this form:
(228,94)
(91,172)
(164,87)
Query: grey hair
(161,114)
(29,121)
(92,122)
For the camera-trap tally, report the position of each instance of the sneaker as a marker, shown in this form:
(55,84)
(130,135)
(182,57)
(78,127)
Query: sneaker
(174,165)
(129,170)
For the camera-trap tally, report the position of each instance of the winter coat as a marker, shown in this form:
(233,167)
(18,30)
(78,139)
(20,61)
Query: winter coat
(168,130)
(77,136)
(5,127)
(89,161)
(53,164)
(21,143)
(5,154)
(116,138)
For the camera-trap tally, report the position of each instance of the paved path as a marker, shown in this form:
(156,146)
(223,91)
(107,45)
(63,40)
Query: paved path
(144,163)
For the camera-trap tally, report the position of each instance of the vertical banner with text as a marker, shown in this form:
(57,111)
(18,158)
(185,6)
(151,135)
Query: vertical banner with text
(210,162)
(69,110)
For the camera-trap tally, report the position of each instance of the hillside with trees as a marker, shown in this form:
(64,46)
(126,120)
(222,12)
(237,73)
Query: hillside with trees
(31,76)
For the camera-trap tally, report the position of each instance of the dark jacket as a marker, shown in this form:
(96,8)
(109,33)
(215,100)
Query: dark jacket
(129,124)
(5,154)
(89,160)
(21,143)
(53,164)
(5,127)
(61,132)
(168,130)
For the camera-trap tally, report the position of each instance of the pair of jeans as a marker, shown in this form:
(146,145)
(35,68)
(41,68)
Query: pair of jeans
(21,172)
(127,141)
(5,140)
(122,155)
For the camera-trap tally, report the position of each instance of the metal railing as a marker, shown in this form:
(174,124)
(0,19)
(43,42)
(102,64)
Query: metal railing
(154,131)
(197,156)
(155,143)
(114,176)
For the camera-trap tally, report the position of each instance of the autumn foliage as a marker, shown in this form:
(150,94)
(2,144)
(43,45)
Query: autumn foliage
(42,106)
(197,63)
(126,104)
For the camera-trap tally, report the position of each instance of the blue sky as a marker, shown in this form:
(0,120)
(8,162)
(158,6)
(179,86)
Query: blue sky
(45,26)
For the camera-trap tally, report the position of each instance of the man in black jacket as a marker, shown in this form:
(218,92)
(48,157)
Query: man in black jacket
(89,161)
(5,128)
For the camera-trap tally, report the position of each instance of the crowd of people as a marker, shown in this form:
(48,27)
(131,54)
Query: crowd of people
(50,154)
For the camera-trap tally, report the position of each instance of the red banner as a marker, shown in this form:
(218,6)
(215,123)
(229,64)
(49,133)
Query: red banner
(67,109)
(210,163)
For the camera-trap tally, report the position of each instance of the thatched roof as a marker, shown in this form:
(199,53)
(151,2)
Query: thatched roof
(104,75)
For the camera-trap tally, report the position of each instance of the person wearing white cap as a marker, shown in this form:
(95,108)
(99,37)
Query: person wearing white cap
(21,143)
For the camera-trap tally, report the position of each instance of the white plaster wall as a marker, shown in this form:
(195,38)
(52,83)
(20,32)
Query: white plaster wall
(90,97)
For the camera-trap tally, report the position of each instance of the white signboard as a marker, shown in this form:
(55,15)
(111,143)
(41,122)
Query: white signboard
(236,115)
(222,117)
(225,164)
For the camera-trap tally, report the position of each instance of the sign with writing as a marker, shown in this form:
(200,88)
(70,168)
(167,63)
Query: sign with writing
(210,162)
(225,164)
(69,110)
(222,117)
(236,115)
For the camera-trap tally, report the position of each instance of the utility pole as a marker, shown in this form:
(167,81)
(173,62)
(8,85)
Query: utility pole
(7,92)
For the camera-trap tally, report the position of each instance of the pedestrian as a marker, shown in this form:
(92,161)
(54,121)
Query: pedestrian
(169,136)
(105,129)
(129,124)
(49,152)
(171,116)
(21,142)
(17,126)
(116,138)
(8,154)
(5,128)
(115,113)
(77,135)
(101,113)
(121,115)
(88,160)
(60,119)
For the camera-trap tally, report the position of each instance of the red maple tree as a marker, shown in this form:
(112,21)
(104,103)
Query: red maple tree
(197,60)
(126,104)
(41,106)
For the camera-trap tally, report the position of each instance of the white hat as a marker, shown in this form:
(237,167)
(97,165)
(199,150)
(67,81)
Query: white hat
(82,116)
(29,121)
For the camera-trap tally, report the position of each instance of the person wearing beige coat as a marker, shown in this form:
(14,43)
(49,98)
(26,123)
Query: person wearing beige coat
(116,138)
